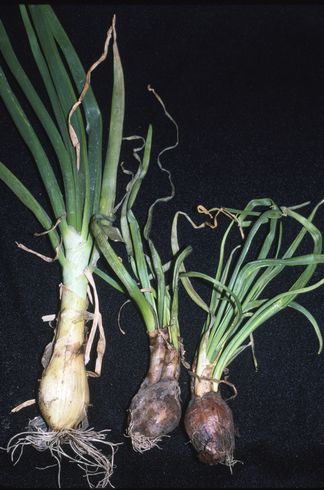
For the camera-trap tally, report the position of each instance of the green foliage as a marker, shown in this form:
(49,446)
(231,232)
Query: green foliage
(241,300)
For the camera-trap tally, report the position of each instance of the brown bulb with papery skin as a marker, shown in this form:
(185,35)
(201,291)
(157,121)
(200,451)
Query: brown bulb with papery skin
(210,427)
(155,410)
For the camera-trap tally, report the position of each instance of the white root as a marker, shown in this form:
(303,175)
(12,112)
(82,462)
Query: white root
(230,462)
(81,449)
(143,443)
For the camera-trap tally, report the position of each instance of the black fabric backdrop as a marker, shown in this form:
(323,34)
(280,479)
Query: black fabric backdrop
(245,84)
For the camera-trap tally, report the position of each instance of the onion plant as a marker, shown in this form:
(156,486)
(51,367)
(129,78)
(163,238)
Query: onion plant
(246,291)
(86,186)
(155,410)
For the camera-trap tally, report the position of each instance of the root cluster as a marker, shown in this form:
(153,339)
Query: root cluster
(75,445)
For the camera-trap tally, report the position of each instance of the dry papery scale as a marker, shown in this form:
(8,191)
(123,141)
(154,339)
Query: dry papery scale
(89,187)
(155,410)
(240,302)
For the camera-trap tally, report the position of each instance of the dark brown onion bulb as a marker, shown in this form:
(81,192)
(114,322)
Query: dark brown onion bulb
(210,427)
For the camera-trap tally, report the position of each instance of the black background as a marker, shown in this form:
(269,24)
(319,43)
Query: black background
(245,83)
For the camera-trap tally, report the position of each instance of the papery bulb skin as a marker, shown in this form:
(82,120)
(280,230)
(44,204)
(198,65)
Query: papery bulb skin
(155,410)
(210,427)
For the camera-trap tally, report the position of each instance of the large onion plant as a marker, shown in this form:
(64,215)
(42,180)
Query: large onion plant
(73,126)
(246,291)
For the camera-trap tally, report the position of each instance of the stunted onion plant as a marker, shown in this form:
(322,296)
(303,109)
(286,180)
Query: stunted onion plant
(73,125)
(155,410)
(245,292)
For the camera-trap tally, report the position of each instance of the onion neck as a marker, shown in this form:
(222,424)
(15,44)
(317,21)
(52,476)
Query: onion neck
(164,358)
(203,372)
